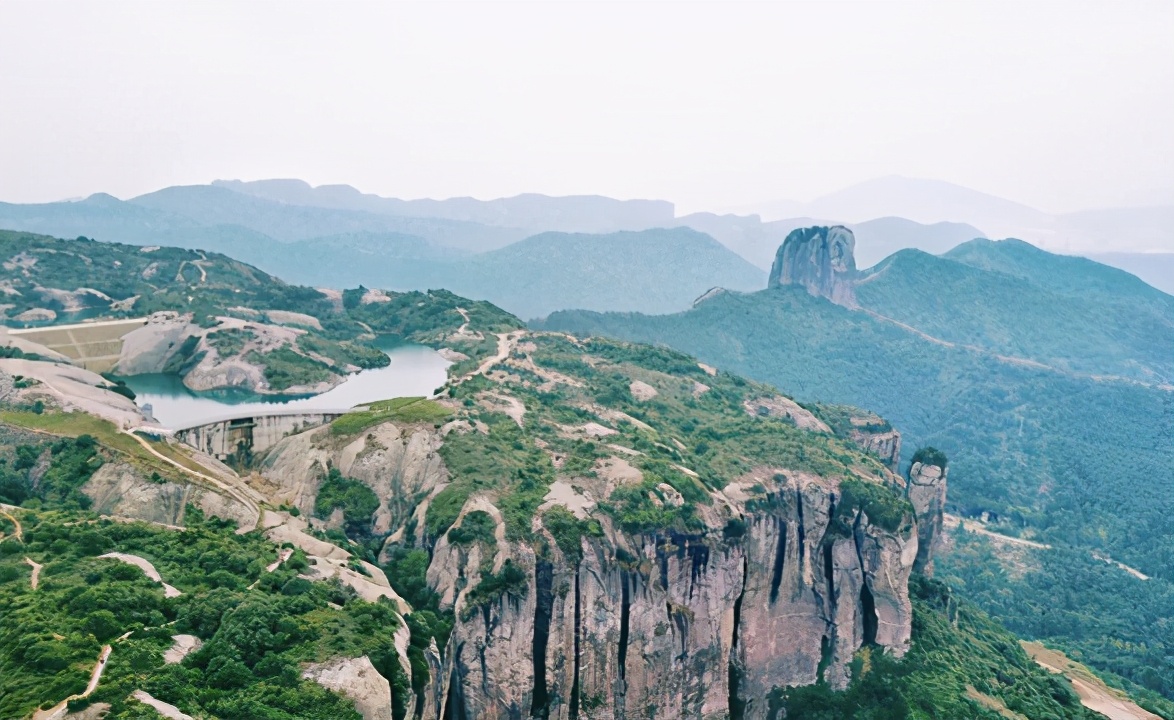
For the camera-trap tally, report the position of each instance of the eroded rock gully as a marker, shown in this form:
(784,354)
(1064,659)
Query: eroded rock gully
(685,626)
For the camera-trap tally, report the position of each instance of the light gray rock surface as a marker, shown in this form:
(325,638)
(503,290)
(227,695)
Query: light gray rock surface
(357,679)
(820,259)
(927,492)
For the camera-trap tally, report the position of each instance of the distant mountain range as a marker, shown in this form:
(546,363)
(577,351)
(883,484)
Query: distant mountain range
(1140,229)
(335,235)
(655,270)
(533,213)
(757,241)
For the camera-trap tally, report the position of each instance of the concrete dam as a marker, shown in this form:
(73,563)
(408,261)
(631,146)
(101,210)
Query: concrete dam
(237,439)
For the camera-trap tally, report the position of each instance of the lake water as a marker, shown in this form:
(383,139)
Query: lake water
(414,370)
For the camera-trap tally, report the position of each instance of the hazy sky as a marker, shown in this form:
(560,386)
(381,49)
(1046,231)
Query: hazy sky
(1062,105)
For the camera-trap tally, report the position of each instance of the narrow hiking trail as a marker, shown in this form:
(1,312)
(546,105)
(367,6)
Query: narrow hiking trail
(147,568)
(58,711)
(243,493)
(18,532)
(35,578)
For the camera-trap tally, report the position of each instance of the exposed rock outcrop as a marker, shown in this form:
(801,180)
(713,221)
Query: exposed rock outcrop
(357,679)
(875,435)
(182,646)
(69,388)
(397,463)
(927,493)
(820,259)
(36,315)
(167,710)
(173,342)
(690,625)
(777,406)
(148,349)
(121,490)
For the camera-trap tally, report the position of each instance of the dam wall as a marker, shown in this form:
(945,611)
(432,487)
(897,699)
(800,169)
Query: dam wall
(239,438)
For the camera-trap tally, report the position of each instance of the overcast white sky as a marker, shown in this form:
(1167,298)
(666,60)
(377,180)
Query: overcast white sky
(1064,105)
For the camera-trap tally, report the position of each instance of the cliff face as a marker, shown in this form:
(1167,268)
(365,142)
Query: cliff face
(927,493)
(820,259)
(885,444)
(781,587)
(600,566)
(686,626)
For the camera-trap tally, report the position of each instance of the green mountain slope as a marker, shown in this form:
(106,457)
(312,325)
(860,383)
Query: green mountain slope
(1063,457)
(260,622)
(47,280)
(652,271)
(1013,299)
(258,627)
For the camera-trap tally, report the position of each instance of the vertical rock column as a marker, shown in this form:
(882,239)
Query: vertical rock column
(927,492)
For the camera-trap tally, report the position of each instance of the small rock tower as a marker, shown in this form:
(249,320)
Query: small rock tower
(927,493)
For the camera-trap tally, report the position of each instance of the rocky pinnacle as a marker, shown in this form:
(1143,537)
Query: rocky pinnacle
(820,259)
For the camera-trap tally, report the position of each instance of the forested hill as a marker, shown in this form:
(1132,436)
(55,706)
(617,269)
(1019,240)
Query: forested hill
(1013,299)
(654,270)
(1003,356)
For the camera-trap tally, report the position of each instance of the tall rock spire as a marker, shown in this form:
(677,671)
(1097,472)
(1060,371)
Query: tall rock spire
(820,259)
(927,493)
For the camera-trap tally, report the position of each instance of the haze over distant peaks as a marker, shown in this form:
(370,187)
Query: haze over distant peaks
(1140,229)
(259,220)
(531,211)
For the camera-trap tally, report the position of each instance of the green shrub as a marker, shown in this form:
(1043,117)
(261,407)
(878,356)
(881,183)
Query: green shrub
(511,580)
(568,531)
(930,456)
(633,507)
(884,506)
(476,526)
(229,341)
(285,368)
(357,501)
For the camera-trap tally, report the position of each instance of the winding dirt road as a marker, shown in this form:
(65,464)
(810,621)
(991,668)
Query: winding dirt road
(505,346)
(952,521)
(1094,694)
